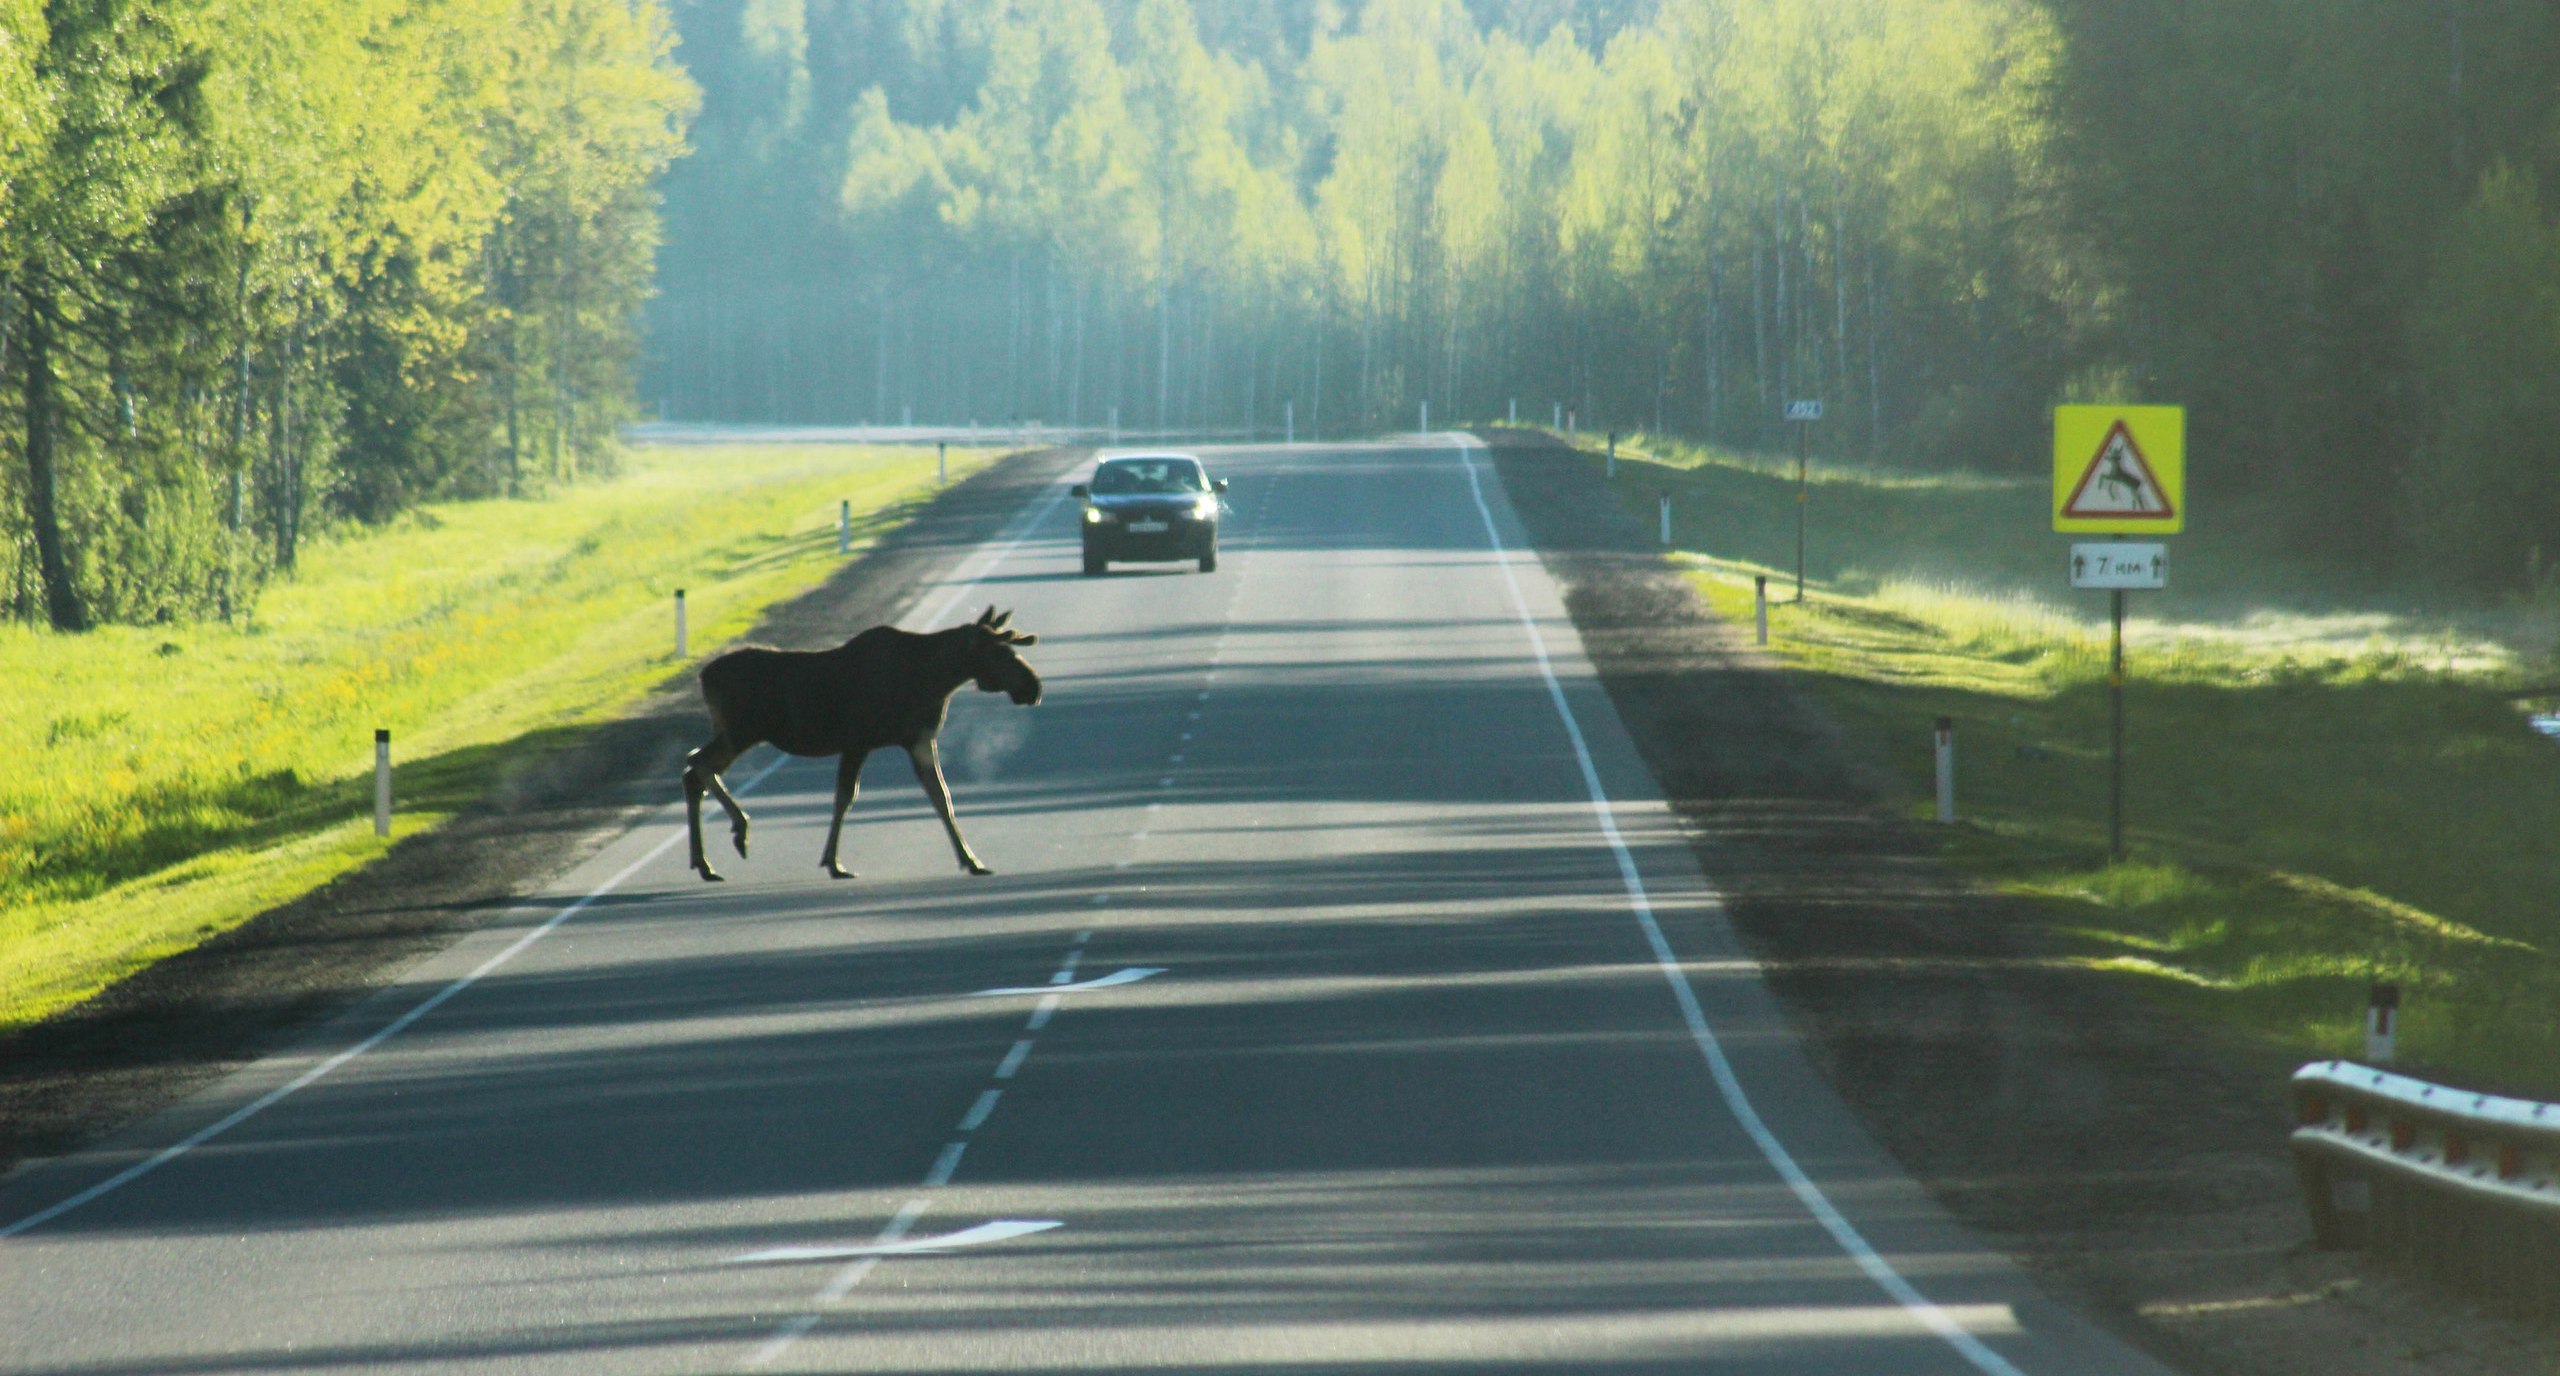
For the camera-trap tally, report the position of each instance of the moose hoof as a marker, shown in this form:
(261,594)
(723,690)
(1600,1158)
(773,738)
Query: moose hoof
(738,838)
(974,867)
(836,871)
(712,876)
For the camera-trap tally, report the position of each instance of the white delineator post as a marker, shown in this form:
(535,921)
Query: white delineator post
(1946,769)
(1613,461)
(1515,410)
(1666,518)
(1559,421)
(942,462)
(844,526)
(1760,605)
(381,781)
(1426,418)
(680,635)
(1115,425)
(1289,421)
(2381,1023)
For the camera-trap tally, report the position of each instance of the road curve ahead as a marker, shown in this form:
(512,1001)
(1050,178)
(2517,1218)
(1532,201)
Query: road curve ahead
(1345,1001)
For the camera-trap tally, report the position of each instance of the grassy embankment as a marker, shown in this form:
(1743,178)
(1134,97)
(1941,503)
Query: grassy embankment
(2322,789)
(160,785)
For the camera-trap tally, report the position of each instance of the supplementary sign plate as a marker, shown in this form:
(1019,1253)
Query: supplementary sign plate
(2119,470)
(1804,410)
(2120,564)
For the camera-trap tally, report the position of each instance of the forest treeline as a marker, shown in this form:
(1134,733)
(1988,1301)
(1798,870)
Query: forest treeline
(2323,225)
(268,266)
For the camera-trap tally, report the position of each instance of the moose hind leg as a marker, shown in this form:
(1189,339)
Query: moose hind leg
(927,759)
(848,780)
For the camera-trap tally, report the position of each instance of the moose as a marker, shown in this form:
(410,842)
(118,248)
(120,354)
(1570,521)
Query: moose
(884,687)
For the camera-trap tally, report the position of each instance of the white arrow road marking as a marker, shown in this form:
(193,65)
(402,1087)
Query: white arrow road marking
(1130,975)
(1001,1230)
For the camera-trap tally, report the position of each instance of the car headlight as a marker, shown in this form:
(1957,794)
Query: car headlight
(1096,516)
(1205,509)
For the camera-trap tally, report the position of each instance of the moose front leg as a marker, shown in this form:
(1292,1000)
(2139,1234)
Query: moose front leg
(927,758)
(848,779)
(702,773)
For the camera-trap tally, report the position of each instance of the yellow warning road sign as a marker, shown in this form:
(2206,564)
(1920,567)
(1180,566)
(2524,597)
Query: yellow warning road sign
(2120,470)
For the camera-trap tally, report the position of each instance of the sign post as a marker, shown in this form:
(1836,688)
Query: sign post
(1802,415)
(2118,471)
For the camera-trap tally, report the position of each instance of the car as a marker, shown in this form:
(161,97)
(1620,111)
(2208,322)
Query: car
(1142,507)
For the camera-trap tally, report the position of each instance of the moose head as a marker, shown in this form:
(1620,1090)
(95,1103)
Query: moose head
(993,661)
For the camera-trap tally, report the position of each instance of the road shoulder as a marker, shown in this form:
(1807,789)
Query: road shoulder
(2135,1163)
(168,1031)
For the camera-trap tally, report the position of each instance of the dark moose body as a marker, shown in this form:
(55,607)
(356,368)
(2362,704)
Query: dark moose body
(885,687)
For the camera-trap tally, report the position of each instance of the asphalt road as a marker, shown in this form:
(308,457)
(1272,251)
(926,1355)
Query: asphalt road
(1442,1064)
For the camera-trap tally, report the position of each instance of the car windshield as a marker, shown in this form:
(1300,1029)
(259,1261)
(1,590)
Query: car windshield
(1148,475)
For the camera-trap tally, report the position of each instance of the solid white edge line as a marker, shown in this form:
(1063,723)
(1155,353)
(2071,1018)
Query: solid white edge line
(1029,525)
(380,1035)
(1728,1084)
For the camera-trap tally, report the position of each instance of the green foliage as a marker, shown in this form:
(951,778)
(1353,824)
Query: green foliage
(262,268)
(2489,342)
(1680,217)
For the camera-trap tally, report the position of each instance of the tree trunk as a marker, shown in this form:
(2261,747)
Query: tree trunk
(1875,360)
(1760,322)
(43,405)
(1164,350)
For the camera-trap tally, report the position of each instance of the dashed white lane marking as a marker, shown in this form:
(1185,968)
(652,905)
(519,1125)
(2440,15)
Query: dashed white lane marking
(839,1286)
(944,1165)
(1728,1084)
(890,1240)
(1000,1230)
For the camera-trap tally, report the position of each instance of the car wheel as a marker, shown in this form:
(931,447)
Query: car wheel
(1209,561)
(1095,565)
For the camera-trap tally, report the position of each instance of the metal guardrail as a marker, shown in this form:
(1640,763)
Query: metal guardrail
(2459,1187)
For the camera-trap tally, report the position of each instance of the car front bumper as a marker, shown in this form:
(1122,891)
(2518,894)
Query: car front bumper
(1183,537)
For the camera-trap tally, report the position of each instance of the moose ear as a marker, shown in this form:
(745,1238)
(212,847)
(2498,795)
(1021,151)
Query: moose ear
(988,617)
(1001,618)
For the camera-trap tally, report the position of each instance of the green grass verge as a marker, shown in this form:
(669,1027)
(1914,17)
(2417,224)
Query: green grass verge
(2319,793)
(162,785)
